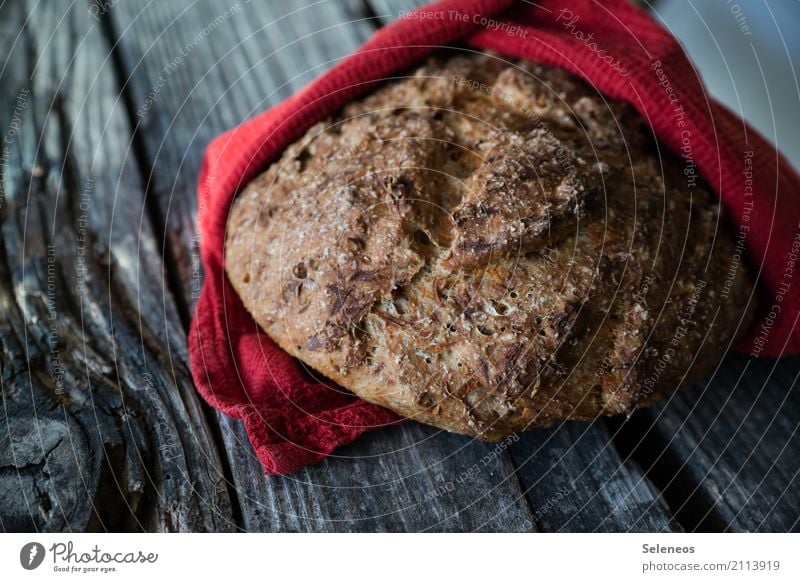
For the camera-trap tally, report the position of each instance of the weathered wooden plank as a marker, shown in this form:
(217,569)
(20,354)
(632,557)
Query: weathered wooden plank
(388,481)
(409,478)
(575,481)
(727,451)
(100,428)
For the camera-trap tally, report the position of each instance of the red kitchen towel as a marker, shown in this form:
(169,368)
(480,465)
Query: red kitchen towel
(293,420)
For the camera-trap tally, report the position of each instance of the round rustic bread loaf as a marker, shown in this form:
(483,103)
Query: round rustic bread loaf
(486,246)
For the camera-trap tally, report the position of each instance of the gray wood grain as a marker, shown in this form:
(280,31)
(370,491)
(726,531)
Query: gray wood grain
(404,478)
(575,480)
(100,428)
(727,451)
(407,478)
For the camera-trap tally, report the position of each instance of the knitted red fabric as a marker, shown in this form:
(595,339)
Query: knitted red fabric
(291,419)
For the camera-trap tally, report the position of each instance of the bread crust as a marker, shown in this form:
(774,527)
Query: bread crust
(487,246)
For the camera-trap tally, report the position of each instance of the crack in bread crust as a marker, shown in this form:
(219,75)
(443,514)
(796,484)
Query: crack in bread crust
(487,259)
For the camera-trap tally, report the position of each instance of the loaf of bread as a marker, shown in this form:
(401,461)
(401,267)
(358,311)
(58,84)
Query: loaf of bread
(486,246)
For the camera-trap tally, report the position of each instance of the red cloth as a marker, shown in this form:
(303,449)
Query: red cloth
(292,420)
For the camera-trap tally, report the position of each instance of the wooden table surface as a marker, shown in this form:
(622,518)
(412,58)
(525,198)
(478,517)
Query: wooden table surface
(106,108)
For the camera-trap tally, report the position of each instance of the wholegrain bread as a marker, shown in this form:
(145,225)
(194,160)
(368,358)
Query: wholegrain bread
(486,246)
